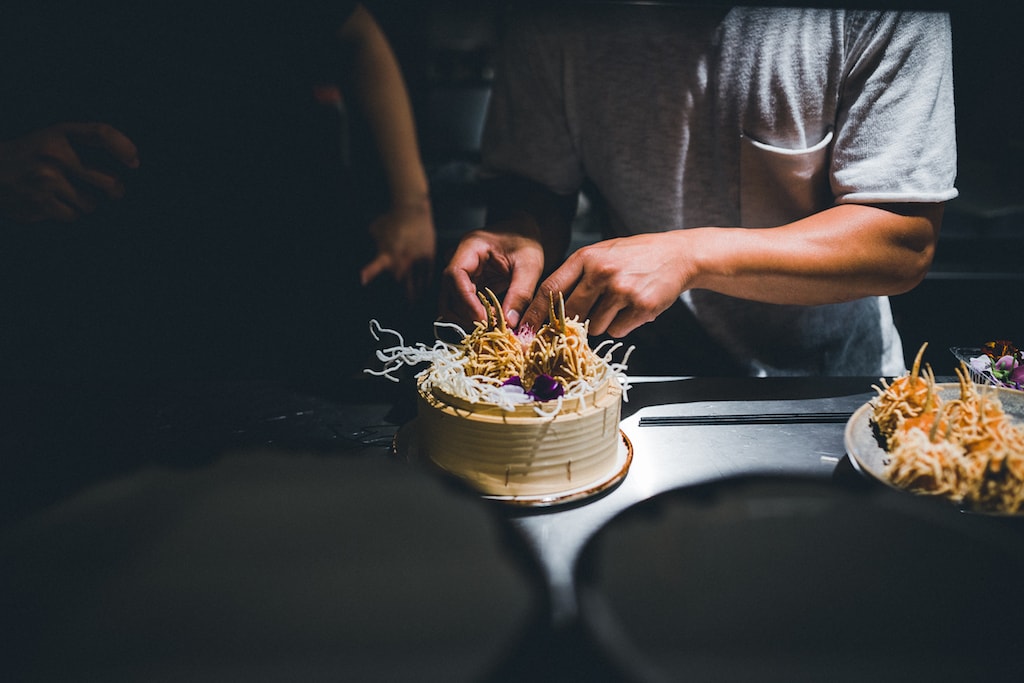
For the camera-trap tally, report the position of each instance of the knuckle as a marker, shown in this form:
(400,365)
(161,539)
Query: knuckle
(648,307)
(619,284)
(477,235)
(645,302)
(548,287)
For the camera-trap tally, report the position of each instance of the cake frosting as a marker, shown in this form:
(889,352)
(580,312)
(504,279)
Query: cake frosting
(517,452)
(517,414)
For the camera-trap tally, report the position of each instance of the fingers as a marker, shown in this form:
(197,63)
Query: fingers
(536,314)
(374,268)
(594,292)
(60,199)
(414,277)
(110,186)
(563,280)
(611,311)
(521,289)
(616,321)
(107,138)
(96,146)
(459,302)
(504,261)
(80,200)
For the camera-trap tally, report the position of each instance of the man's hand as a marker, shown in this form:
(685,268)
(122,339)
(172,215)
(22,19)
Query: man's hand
(845,252)
(43,175)
(503,260)
(406,247)
(619,284)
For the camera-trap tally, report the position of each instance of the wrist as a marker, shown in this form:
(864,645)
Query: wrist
(416,201)
(687,250)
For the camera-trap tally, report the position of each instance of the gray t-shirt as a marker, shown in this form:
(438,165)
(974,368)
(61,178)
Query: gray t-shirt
(753,117)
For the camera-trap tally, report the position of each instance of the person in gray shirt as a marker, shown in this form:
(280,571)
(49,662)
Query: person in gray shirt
(773,174)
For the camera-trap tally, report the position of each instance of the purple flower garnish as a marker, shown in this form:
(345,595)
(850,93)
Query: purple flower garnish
(514,381)
(546,388)
(1004,364)
(1003,368)
(1017,376)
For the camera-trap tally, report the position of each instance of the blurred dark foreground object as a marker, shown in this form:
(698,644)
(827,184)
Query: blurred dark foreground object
(758,580)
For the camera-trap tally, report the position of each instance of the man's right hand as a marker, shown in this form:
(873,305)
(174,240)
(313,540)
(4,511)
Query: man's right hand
(44,177)
(505,261)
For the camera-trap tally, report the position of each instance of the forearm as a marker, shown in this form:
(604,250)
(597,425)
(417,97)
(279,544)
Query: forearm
(843,253)
(384,100)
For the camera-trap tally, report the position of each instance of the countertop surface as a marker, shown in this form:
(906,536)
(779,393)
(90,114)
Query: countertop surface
(262,531)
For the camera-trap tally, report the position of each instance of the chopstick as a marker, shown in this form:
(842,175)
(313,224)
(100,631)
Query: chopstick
(746,419)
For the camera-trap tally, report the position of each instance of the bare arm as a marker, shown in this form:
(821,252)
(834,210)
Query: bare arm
(844,253)
(840,254)
(405,235)
(382,94)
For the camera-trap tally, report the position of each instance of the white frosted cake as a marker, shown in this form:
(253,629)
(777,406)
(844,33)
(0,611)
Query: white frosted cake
(518,452)
(520,415)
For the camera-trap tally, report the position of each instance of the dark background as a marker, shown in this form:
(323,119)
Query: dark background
(272,303)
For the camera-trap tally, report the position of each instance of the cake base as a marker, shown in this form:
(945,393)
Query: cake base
(520,452)
(406,447)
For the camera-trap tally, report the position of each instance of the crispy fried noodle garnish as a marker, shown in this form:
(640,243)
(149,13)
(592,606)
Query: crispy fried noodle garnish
(480,366)
(966,449)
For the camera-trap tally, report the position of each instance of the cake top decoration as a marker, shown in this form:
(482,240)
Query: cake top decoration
(495,364)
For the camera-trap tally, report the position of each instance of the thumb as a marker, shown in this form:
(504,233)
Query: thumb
(563,280)
(519,294)
(373,269)
(106,137)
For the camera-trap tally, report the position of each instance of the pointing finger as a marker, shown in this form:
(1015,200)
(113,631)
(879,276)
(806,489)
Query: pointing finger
(563,280)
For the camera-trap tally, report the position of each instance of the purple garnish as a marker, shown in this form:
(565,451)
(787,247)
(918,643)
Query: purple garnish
(546,388)
(1005,364)
(514,381)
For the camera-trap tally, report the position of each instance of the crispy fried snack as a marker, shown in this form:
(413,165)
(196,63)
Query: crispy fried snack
(492,349)
(908,396)
(965,449)
(560,349)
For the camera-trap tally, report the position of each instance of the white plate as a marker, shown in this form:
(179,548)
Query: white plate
(868,456)
(405,446)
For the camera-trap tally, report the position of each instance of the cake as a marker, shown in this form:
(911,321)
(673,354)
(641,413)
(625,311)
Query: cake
(518,452)
(516,414)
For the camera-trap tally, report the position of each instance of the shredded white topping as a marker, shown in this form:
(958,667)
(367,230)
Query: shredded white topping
(447,372)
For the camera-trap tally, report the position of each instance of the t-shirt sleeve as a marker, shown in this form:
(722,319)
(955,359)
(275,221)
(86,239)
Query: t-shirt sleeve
(895,134)
(527,132)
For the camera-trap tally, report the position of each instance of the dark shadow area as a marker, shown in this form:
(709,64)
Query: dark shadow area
(59,439)
(236,249)
(241,531)
(757,580)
